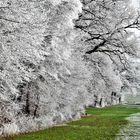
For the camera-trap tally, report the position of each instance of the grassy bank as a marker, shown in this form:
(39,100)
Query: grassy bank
(100,124)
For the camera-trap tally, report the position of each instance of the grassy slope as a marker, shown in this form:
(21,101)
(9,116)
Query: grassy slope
(102,124)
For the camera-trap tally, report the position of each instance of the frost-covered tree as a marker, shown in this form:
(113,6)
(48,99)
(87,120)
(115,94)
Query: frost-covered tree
(107,28)
(107,25)
(41,83)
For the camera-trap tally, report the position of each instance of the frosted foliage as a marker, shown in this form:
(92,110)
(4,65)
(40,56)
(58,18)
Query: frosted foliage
(107,32)
(44,80)
(106,83)
(41,83)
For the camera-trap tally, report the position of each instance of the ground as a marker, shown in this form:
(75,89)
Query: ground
(99,124)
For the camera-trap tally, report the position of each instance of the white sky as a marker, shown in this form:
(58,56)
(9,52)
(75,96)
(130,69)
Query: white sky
(136,3)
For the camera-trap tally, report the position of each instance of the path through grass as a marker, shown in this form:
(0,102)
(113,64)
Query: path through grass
(101,124)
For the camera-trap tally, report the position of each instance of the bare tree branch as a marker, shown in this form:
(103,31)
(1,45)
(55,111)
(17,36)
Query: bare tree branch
(9,20)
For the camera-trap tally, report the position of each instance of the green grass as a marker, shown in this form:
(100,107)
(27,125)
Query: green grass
(102,124)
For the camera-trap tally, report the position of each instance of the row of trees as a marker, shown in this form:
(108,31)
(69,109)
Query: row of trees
(50,70)
(108,27)
(41,83)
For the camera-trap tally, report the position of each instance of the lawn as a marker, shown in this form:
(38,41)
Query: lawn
(99,124)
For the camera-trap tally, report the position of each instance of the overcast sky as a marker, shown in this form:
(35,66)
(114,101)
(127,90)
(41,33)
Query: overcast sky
(136,2)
